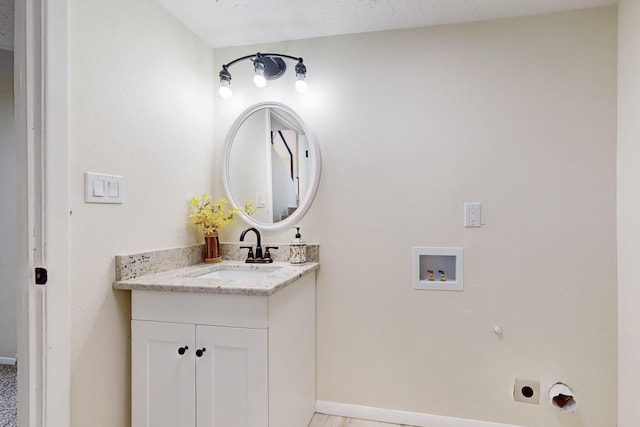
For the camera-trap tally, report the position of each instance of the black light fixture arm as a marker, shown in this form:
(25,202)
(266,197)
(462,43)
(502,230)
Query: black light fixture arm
(257,55)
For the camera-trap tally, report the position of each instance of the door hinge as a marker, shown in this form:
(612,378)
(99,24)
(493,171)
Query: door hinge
(41,276)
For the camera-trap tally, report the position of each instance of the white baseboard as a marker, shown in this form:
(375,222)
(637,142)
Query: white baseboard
(7,360)
(399,417)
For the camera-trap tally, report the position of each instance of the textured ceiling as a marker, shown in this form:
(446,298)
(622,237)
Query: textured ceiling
(6,24)
(223,23)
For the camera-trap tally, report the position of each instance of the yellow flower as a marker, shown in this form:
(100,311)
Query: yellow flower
(210,217)
(249,208)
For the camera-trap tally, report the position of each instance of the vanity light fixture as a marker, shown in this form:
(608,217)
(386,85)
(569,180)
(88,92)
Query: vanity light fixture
(267,66)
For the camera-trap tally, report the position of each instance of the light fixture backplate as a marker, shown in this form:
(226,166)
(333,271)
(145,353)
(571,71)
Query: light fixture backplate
(274,67)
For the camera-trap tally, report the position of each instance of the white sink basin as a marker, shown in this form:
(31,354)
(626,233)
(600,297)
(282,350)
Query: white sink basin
(238,273)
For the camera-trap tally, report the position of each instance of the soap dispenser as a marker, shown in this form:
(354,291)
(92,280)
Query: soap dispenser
(298,249)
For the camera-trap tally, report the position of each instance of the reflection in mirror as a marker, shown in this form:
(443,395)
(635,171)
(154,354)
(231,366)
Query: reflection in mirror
(270,158)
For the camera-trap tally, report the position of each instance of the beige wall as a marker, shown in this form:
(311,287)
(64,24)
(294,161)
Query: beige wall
(8,211)
(517,114)
(628,211)
(141,107)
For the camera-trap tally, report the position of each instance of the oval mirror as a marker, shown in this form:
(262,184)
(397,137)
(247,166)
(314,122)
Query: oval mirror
(270,157)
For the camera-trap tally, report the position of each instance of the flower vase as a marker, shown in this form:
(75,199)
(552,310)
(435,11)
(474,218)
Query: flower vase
(212,248)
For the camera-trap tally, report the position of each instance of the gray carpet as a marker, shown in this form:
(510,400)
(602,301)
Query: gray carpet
(8,396)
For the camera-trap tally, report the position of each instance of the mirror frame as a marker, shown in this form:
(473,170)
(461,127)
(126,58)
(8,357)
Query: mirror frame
(315,168)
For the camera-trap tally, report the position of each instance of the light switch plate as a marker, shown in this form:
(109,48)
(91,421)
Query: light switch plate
(472,217)
(100,188)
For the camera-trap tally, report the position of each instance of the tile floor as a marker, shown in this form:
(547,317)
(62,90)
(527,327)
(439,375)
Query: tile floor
(322,420)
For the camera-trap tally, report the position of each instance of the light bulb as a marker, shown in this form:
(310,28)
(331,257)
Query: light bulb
(301,73)
(301,85)
(225,83)
(225,90)
(258,65)
(259,79)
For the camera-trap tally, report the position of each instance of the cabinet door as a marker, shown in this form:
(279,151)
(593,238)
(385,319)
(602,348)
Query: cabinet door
(231,377)
(162,379)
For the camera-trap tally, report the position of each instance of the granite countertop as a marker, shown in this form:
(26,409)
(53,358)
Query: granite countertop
(184,279)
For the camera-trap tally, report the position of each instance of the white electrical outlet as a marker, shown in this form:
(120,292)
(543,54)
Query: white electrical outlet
(472,216)
(527,391)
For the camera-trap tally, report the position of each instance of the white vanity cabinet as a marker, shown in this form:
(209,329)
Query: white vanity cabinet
(196,375)
(223,360)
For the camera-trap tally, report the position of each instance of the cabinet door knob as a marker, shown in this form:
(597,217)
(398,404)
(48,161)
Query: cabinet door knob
(200,352)
(181,350)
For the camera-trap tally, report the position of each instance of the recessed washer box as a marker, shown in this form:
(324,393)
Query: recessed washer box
(432,265)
